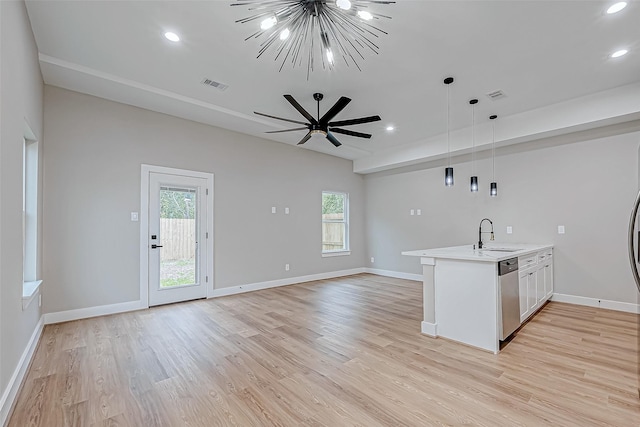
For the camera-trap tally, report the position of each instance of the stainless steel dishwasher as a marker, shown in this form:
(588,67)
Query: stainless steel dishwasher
(509,293)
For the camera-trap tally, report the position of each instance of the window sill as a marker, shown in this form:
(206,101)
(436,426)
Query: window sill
(29,292)
(336,253)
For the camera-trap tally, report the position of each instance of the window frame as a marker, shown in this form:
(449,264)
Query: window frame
(346,250)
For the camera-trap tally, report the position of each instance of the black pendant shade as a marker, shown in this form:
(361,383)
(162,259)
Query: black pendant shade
(474,184)
(494,189)
(448,176)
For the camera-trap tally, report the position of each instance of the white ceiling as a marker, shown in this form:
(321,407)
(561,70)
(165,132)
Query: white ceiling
(551,58)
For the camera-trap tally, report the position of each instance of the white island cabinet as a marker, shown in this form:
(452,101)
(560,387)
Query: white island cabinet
(461,290)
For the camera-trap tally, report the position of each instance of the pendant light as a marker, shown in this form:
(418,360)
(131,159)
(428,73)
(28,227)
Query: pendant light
(448,172)
(494,185)
(474,177)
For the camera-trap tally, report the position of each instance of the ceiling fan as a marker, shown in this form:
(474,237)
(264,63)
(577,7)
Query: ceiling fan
(323,125)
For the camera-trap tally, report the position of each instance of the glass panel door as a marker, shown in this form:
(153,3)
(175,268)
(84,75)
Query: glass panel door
(177,238)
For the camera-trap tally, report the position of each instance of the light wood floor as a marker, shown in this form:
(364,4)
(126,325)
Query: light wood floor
(329,353)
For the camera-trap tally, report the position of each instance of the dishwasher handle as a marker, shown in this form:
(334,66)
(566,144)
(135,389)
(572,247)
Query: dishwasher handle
(507,266)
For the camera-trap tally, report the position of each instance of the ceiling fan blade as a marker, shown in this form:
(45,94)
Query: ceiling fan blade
(333,139)
(286,130)
(279,118)
(305,139)
(356,121)
(333,111)
(301,110)
(351,133)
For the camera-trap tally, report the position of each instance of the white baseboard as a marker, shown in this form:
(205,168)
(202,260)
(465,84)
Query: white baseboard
(85,313)
(430,329)
(395,274)
(595,302)
(10,393)
(233,290)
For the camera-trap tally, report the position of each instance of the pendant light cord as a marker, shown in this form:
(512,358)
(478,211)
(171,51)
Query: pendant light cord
(493,149)
(448,126)
(473,139)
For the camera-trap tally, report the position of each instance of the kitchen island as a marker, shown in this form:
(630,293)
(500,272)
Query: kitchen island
(461,290)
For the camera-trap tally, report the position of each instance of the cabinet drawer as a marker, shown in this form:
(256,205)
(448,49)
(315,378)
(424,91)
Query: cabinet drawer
(527,261)
(544,256)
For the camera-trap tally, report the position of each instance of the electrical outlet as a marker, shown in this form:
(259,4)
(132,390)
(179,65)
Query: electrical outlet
(509,229)
(412,212)
(286,211)
(561,229)
(419,212)
(372,260)
(286,267)
(273,209)
(134,216)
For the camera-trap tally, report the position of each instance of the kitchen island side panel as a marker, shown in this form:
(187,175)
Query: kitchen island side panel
(466,300)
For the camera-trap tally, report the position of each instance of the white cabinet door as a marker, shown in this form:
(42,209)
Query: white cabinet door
(548,278)
(532,299)
(524,288)
(540,286)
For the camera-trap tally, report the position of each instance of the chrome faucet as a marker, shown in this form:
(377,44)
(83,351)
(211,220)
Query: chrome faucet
(480,232)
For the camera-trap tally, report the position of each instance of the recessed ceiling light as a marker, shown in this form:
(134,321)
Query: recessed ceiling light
(390,128)
(619,53)
(617,7)
(172,36)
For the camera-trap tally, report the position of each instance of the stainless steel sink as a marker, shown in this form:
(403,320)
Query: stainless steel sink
(499,250)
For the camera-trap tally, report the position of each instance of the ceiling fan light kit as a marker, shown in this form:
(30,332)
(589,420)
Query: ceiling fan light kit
(323,125)
(300,31)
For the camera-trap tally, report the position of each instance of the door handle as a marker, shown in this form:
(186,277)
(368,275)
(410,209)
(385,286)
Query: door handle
(155,246)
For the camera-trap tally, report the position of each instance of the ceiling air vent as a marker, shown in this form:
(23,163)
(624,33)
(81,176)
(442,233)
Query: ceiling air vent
(217,85)
(496,94)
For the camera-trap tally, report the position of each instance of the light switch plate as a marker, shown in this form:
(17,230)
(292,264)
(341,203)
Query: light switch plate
(509,229)
(561,229)
(134,216)
(372,260)
(419,212)
(412,212)
(273,209)
(286,211)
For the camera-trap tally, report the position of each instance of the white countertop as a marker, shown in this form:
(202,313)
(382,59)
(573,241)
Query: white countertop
(492,252)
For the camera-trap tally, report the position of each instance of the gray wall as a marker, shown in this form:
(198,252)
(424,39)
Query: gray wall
(92,182)
(21,88)
(589,187)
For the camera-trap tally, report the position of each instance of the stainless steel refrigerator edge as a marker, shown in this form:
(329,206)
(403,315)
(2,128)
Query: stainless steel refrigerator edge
(634,266)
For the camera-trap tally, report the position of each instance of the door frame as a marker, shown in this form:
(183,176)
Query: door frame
(146,170)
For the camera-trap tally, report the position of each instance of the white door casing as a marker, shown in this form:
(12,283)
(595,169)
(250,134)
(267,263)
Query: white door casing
(198,185)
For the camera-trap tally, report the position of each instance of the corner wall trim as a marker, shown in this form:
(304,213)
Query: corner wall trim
(430,329)
(233,290)
(394,274)
(85,313)
(11,392)
(599,303)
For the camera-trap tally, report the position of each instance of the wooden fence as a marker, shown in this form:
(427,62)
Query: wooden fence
(177,237)
(332,233)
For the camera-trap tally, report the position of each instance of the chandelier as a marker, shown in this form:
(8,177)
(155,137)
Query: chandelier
(306,32)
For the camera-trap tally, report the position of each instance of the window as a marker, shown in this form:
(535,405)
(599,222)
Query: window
(29,221)
(335,223)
